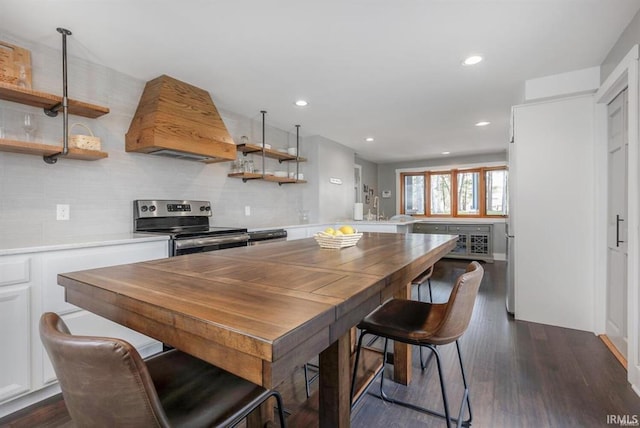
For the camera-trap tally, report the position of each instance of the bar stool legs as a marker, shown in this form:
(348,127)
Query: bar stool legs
(308,380)
(446,415)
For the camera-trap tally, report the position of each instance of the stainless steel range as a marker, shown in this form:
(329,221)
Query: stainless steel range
(187,222)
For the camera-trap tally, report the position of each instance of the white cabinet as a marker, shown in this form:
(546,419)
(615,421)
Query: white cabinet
(15,326)
(28,288)
(301,232)
(552,164)
(381,227)
(15,376)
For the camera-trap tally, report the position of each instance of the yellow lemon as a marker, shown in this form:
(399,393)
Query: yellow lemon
(338,233)
(347,230)
(330,231)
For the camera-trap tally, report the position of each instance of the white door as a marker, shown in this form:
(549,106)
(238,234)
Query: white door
(618,143)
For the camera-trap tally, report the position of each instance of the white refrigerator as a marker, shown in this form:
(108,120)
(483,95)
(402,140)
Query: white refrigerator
(551,219)
(509,226)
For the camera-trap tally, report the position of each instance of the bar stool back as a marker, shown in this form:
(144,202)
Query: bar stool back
(105,383)
(428,325)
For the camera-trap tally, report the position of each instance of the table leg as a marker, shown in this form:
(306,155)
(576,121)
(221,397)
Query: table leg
(402,351)
(335,370)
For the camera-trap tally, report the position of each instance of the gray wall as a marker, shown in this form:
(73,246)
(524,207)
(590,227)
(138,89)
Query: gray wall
(629,37)
(335,200)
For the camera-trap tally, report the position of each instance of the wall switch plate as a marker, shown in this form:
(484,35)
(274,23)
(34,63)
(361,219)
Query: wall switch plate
(247,210)
(62,212)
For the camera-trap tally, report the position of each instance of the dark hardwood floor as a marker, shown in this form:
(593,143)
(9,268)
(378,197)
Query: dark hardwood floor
(520,374)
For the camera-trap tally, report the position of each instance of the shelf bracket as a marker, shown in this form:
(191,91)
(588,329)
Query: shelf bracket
(51,159)
(53,111)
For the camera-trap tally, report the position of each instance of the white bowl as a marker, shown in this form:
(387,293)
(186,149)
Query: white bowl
(282,174)
(292,151)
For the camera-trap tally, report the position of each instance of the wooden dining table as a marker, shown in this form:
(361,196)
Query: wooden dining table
(261,311)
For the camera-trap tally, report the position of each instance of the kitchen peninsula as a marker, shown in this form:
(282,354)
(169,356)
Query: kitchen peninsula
(261,311)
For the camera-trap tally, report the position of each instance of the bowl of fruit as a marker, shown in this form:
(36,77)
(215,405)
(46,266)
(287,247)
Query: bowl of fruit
(342,237)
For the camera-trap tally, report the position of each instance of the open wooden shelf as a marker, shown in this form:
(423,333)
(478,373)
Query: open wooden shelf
(38,149)
(245,176)
(282,180)
(45,100)
(270,153)
(253,176)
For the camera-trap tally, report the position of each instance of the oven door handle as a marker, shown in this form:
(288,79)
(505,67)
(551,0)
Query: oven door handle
(210,240)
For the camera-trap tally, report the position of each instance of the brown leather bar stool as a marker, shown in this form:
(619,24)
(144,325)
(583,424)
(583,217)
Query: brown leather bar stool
(105,383)
(420,280)
(428,325)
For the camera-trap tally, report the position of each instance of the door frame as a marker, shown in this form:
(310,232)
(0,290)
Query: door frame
(625,75)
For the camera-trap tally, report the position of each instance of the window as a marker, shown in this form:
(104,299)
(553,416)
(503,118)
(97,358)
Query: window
(413,187)
(496,182)
(468,193)
(440,192)
(477,192)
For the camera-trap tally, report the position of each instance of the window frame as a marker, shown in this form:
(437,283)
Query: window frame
(402,191)
(482,191)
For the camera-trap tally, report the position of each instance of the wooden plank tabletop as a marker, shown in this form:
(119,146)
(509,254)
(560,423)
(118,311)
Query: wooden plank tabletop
(257,311)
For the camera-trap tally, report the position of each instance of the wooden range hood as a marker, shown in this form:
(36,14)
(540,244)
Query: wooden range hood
(178,120)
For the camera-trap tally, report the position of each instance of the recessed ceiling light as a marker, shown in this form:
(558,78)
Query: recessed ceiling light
(302,103)
(446,153)
(483,123)
(369,139)
(472,60)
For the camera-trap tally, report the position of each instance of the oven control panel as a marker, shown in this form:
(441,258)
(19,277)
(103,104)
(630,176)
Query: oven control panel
(170,208)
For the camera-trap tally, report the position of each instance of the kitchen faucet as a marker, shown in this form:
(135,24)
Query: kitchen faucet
(376,206)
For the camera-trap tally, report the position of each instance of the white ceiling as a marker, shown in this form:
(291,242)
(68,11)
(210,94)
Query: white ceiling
(381,68)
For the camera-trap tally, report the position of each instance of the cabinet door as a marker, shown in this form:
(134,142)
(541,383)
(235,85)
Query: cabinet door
(15,361)
(429,228)
(480,244)
(471,228)
(462,246)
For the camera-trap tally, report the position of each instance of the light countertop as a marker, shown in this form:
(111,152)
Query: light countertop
(20,246)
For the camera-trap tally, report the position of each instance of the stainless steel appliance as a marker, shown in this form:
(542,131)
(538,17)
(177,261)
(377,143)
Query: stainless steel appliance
(511,303)
(267,236)
(187,222)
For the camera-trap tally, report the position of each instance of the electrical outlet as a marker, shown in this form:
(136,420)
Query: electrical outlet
(247,210)
(62,212)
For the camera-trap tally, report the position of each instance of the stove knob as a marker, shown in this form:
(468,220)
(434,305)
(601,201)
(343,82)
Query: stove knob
(208,208)
(202,208)
(144,208)
(152,208)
